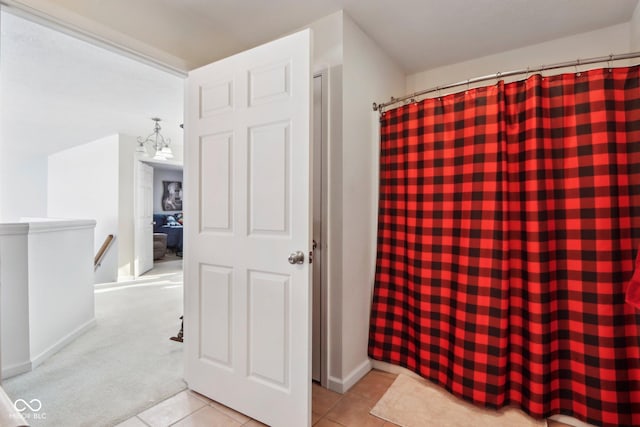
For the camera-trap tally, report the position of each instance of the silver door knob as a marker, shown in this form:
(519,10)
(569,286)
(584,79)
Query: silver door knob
(296,258)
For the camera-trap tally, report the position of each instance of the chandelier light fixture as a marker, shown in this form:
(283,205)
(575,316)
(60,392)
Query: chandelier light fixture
(155,145)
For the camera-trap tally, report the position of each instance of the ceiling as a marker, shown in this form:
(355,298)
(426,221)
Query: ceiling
(59,91)
(418,34)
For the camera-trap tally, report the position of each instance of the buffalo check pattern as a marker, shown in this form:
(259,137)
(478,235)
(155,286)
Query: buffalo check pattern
(509,221)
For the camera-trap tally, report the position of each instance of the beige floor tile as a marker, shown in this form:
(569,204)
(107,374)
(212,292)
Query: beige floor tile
(322,399)
(373,385)
(199,396)
(241,418)
(254,423)
(315,418)
(353,411)
(171,410)
(132,422)
(207,417)
(330,409)
(327,423)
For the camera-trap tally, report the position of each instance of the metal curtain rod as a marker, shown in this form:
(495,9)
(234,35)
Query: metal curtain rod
(392,101)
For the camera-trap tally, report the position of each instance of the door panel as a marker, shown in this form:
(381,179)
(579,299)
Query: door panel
(269,177)
(216,179)
(269,333)
(215,322)
(247,187)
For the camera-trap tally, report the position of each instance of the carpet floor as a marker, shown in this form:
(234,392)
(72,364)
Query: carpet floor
(119,368)
(414,402)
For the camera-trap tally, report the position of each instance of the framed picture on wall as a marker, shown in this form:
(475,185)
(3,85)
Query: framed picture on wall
(172,196)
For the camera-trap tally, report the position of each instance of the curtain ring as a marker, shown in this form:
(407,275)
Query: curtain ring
(526,76)
(578,73)
(609,62)
(498,75)
(467,85)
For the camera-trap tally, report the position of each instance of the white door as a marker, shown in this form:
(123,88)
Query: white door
(143,219)
(247,319)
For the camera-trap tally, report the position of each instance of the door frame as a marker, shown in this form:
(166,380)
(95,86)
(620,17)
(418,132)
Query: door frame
(324,257)
(140,158)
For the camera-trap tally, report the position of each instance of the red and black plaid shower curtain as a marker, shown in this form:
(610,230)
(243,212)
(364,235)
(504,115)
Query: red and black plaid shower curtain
(509,220)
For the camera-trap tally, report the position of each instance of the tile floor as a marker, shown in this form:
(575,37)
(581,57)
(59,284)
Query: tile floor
(189,409)
(330,409)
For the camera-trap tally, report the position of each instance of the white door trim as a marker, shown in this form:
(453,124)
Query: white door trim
(323,257)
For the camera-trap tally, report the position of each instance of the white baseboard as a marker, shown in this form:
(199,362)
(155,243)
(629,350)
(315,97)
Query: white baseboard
(40,358)
(343,385)
(29,365)
(16,369)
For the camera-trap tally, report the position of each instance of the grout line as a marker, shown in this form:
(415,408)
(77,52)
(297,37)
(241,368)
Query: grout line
(141,420)
(186,416)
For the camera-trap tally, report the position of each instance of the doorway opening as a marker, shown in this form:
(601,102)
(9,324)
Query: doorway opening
(319,194)
(159,214)
(319,302)
(72,111)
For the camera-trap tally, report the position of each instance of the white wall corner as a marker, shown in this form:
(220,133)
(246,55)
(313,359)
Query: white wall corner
(327,41)
(342,385)
(369,74)
(16,369)
(61,343)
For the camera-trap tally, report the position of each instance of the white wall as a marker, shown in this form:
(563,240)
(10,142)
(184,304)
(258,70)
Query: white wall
(23,185)
(635,30)
(327,41)
(614,39)
(327,56)
(159,175)
(359,73)
(83,183)
(95,181)
(369,74)
(47,293)
(61,300)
